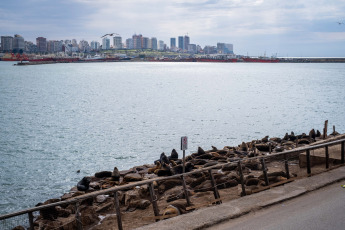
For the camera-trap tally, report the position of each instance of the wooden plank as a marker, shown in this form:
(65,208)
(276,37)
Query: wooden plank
(118,211)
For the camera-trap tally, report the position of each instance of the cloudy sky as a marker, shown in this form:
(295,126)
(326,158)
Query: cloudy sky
(254,27)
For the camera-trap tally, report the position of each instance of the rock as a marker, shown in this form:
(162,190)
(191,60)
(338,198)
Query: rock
(115,175)
(95,185)
(88,215)
(67,196)
(125,172)
(18,228)
(103,174)
(132,177)
(101,198)
(78,193)
(83,185)
(63,212)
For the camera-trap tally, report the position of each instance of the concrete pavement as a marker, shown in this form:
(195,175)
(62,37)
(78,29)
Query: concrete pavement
(210,216)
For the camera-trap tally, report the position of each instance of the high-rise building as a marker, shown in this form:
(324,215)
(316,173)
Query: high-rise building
(117,42)
(224,48)
(105,43)
(172,43)
(191,48)
(30,47)
(18,43)
(181,43)
(74,43)
(161,45)
(129,43)
(41,43)
(145,42)
(186,42)
(137,43)
(6,43)
(95,45)
(154,44)
(210,50)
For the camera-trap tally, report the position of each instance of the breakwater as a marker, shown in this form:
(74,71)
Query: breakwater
(132,200)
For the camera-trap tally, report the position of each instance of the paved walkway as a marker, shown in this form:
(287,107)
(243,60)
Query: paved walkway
(210,216)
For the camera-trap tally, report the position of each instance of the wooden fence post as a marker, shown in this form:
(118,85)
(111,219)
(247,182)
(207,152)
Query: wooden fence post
(118,211)
(31,221)
(342,153)
(286,161)
(327,157)
(214,185)
(77,216)
(308,162)
(185,190)
(264,170)
(325,129)
(239,166)
(154,200)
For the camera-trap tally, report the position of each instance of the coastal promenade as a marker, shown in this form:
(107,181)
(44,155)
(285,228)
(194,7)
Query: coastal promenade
(211,216)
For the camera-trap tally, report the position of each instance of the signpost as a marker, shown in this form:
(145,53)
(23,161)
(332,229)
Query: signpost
(184,146)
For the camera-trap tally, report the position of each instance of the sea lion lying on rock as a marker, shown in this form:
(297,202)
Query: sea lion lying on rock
(103,174)
(84,184)
(137,204)
(177,207)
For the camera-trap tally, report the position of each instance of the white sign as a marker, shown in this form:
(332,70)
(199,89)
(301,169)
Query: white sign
(184,143)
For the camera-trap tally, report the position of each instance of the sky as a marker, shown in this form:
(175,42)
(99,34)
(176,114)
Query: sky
(293,28)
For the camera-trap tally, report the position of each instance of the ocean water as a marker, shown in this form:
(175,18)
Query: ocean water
(59,118)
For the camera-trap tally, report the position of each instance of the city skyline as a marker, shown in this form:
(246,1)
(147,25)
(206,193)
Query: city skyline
(294,28)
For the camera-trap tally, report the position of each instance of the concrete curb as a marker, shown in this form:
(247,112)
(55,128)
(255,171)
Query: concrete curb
(206,217)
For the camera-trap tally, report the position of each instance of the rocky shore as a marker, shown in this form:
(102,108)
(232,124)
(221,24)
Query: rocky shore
(135,203)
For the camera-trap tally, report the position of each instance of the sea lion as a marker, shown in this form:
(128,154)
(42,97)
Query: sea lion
(165,170)
(137,204)
(164,159)
(83,184)
(176,207)
(103,174)
(173,155)
(115,175)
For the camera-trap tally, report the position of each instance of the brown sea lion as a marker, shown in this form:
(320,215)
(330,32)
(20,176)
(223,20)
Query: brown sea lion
(176,207)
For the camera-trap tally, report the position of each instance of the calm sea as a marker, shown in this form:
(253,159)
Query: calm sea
(59,118)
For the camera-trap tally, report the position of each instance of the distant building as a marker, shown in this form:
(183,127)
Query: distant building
(129,43)
(137,43)
(181,43)
(6,43)
(210,50)
(186,42)
(18,43)
(117,42)
(105,43)
(154,44)
(85,47)
(172,43)
(145,42)
(41,43)
(74,43)
(191,48)
(30,47)
(95,45)
(161,45)
(224,48)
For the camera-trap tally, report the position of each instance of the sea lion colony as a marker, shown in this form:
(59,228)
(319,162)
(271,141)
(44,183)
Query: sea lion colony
(98,212)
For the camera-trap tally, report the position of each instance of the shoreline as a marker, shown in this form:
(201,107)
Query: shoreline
(135,202)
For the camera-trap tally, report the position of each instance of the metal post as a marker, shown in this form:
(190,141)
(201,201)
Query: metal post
(308,161)
(327,156)
(184,161)
(31,221)
(77,216)
(342,153)
(214,185)
(270,148)
(154,200)
(287,167)
(185,190)
(264,170)
(118,211)
(239,166)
